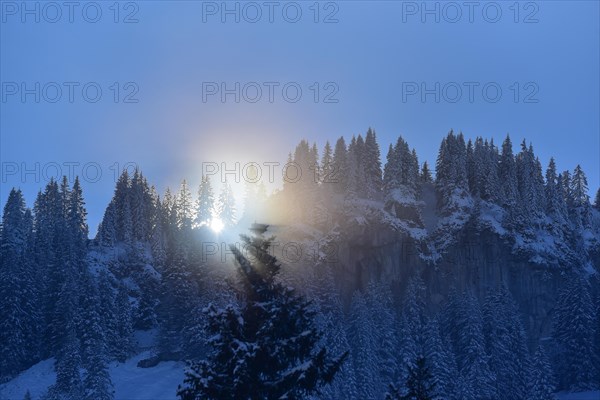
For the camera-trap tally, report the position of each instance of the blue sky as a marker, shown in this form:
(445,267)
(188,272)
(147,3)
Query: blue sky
(373,51)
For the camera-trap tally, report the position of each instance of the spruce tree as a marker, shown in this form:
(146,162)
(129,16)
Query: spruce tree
(205,204)
(555,202)
(464,325)
(67,365)
(124,325)
(363,347)
(372,166)
(473,168)
(579,199)
(506,345)
(107,231)
(97,382)
(485,174)
(507,171)
(412,332)
(226,211)
(340,167)
(90,326)
(597,200)
(391,171)
(185,208)
(451,172)
(177,301)
(411,170)
(541,381)
(426,176)
(268,347)
(326,166)
(573,330)
(530,184)
(384,324)
(97,335)
(419,384)
(122,199)
(141,206)
(313,165)
(332,320)
(357,179)
(19,316)
(441,362)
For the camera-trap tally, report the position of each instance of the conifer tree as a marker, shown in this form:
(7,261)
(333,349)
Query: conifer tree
(384,324)
(412,332)
(107,231)
(357,181)
(426,176)
(91,328)
(372,166)
(451,171)
(413,171)
(326,166)
(573,331)
(555,203)
(145,314)
(122,199)
(579,198)
(124,326)
(332,319)
(267,348)
(541,385)
(177,301)
(185,208)
(205,205)
(508,172)
(68,379)
(530,184)
(363,347)
(19,318)
(506,345)
(97,383)
(313,166)
(96,333)
(472,169)
(391,171)
(464,323)
(226,210)
(340,166)
(419,384)
(141,207)
(441,363)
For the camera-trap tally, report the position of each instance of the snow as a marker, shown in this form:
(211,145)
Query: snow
(491,216)
(36,379)
(405,196)
(130,382)
(145,339)
(157,383)
(595,395)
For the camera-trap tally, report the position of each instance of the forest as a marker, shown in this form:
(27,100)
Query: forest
(474,277)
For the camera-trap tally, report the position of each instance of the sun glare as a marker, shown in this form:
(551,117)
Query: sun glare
(216,225)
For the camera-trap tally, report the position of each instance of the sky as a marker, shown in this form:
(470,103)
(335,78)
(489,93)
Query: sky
(178,87)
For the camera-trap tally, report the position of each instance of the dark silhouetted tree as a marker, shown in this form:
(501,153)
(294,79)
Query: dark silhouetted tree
(268,347)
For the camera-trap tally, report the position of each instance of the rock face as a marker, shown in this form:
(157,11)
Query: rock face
(479,260)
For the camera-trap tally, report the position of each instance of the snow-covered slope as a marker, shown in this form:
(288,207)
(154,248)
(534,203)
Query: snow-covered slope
(595,395)
(130,382)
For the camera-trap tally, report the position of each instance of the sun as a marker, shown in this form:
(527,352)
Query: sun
(216,225)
